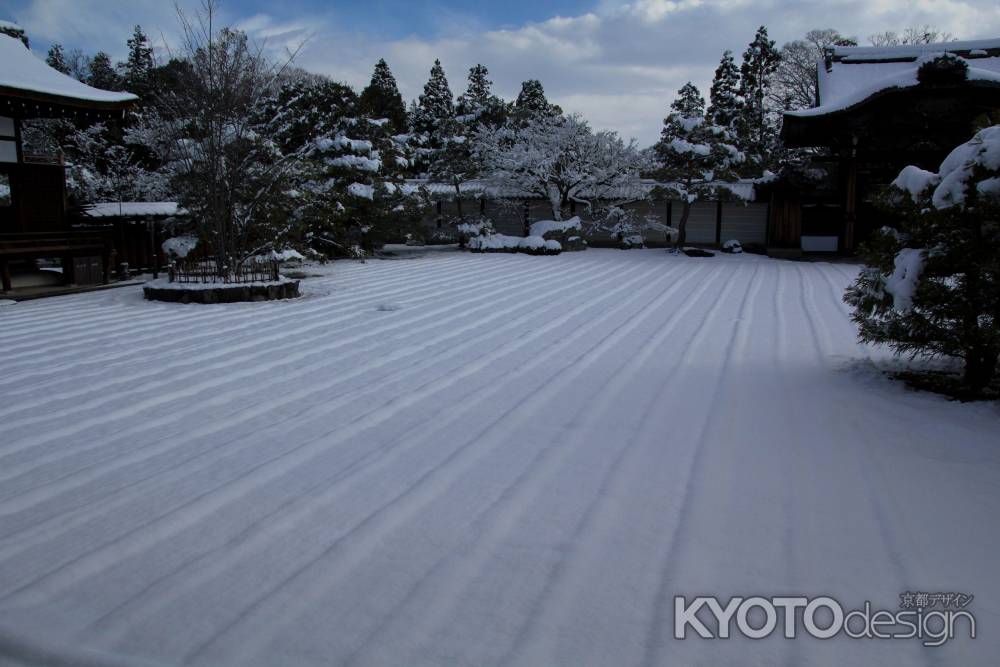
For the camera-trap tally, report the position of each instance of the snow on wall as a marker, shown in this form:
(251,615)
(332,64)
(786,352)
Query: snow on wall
(133,208)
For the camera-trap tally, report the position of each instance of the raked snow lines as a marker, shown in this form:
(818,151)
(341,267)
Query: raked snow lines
(492,459)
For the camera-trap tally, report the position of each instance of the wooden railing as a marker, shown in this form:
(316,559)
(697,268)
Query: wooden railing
(208,269)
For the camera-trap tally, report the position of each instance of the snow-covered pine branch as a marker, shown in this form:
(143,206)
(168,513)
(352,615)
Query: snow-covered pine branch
(932,286)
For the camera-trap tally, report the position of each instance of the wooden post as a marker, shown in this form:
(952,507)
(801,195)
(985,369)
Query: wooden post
(850,205)
(5,275)
(851,196)
(718,222)
(670,219)
(151,228)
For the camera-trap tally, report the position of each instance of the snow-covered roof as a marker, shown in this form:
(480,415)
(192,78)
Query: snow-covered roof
(854,74)
(134,209)
(744,189)
(23,72)
(910,51)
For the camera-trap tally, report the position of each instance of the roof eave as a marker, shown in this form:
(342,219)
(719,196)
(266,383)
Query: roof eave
(49,105)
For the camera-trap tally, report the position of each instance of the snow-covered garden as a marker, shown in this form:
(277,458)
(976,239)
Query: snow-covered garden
(473,459)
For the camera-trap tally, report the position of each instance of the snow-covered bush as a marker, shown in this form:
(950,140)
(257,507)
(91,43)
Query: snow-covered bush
(567,233)
(936,69)
(932,287)
(532,245)
(732,246)
(179,247)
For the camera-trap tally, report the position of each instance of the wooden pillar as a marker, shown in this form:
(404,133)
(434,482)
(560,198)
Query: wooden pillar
(670,219)
(850,195)
(5,275)
(154,250)
(718,222)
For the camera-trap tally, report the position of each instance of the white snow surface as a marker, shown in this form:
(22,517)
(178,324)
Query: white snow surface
(23,70)
(523,463)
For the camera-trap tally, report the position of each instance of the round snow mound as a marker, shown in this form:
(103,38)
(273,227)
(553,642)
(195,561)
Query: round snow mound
(162,290)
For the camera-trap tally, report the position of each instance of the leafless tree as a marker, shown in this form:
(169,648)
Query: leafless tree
(925,35)
(796,81)
(208,129)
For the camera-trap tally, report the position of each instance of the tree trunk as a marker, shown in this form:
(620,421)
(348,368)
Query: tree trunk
(555,201)
(980,367)
(461,218)
(682,225)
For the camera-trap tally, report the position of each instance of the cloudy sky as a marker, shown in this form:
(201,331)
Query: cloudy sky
(618,63)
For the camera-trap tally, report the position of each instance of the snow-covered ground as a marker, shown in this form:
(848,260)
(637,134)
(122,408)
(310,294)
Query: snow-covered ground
(477,459)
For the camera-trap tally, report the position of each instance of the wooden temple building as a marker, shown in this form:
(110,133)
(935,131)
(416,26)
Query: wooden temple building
(878,110)
(34,222)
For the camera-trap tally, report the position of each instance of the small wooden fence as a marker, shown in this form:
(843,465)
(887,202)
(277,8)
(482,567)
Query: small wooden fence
(207,269)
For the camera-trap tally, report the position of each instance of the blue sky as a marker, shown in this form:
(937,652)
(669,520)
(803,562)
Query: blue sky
(618,62)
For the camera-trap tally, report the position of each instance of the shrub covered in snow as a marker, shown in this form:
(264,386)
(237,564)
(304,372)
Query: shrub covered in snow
(567,233)
(937,69)
(932,287)
(732,246)
(532,245)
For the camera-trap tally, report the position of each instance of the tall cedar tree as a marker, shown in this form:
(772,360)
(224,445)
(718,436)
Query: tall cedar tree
(478,100)
(725,102)
(532,100)
(102,74)
(56,58)
(692,154)
(437,106)
(932,287)
(757,134)
(137,69)
(381,98)
(454,163)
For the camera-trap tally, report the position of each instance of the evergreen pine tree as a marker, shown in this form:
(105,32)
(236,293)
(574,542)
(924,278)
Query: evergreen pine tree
(102,74)
(479,92)
(56,59)
(757,132)
(724,97)
(692,154)
(381,98)
(532,100)
(437,106)
(138,67)
(689,102)
(932,286)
